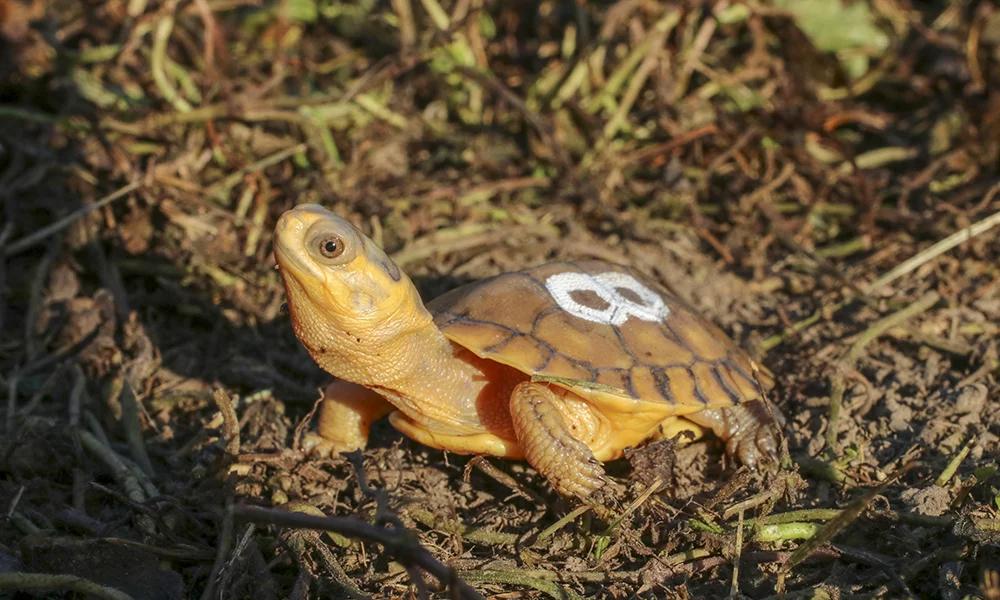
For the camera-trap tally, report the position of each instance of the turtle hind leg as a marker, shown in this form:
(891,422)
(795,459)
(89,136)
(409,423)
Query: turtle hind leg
(550,446)
(751,431)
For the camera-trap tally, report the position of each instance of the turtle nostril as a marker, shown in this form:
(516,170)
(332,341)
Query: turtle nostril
(287,223)
(282,224)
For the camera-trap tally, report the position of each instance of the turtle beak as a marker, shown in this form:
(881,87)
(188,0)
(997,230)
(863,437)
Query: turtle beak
(289,242)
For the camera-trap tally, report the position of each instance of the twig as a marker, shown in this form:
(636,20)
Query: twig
(682,139)
(305,422)
(593,576)
(488,80)
(692,57)
(47,582)
(301,542)
(838,523)
(519,577)
(734,587)
(626,67)
(133,430)
(953,464)
(219,188)
(36,301)
(822,469)
(76,396)
(884,563)
(333,566)
(651,489)
(379,110)
(867,336)
(60,354)
(477,535)
(933,558)
(230,422)
(437,14)
(914,262)
(937,249)
(407,27)
(121,472)
(37,237)
(14,502)
(878,328)
(565,520)
(635,86)
(212,36)
(465,237)
(221,552)
(179,552)
(752,502)
(95,428)
(489,469)
(397,543)
(383,514)
(24,524)
(675,563)
(5,233)
(12,383)
(158,59)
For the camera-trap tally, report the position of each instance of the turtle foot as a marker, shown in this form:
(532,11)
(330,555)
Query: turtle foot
(751,431)
(755,446)
(550,447)
(317,446)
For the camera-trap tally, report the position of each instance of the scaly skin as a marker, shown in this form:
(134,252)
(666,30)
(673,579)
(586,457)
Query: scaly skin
(366,327)
(345,418)
(740,427)
(549,444)
(362,320)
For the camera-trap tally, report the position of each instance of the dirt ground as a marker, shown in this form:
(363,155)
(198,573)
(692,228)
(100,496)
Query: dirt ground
(820,179)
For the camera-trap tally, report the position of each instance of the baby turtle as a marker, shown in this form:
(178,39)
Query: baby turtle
(564,365)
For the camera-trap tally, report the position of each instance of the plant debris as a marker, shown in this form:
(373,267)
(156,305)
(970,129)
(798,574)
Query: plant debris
(818,177)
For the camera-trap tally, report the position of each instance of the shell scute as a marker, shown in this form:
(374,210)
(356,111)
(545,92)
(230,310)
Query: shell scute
(527,347)
(598,323)
(561,366)
(581,342)
(681,382)
(704,373)
(656,346)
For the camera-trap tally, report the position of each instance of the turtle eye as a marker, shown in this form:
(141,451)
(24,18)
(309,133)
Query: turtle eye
(330,246)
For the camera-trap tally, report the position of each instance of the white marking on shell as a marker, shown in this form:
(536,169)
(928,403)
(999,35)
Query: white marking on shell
(619,309)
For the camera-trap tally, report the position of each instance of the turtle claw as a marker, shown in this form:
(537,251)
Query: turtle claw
(751,432)
(756,446)
(551,448)
(317,446)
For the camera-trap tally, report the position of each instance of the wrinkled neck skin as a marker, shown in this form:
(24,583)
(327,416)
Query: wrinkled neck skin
(400,354)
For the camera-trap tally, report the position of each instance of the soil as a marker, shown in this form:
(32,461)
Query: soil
(154,388)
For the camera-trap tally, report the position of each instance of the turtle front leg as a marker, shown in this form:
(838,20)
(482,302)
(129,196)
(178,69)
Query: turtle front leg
(345,418)
(749,431)
(550,446)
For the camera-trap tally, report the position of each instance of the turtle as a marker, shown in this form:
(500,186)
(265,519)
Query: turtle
(564,365)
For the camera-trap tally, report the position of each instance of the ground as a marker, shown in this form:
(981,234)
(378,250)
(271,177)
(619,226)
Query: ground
(819,178)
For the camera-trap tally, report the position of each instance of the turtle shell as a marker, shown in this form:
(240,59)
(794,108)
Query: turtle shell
(604,332)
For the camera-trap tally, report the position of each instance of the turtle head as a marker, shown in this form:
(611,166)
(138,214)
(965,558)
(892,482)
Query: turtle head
(341,287)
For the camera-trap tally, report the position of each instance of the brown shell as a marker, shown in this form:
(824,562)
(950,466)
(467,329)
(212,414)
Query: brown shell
(629,356)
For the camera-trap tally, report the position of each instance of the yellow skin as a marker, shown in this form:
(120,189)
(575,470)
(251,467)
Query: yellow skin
(363,321)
